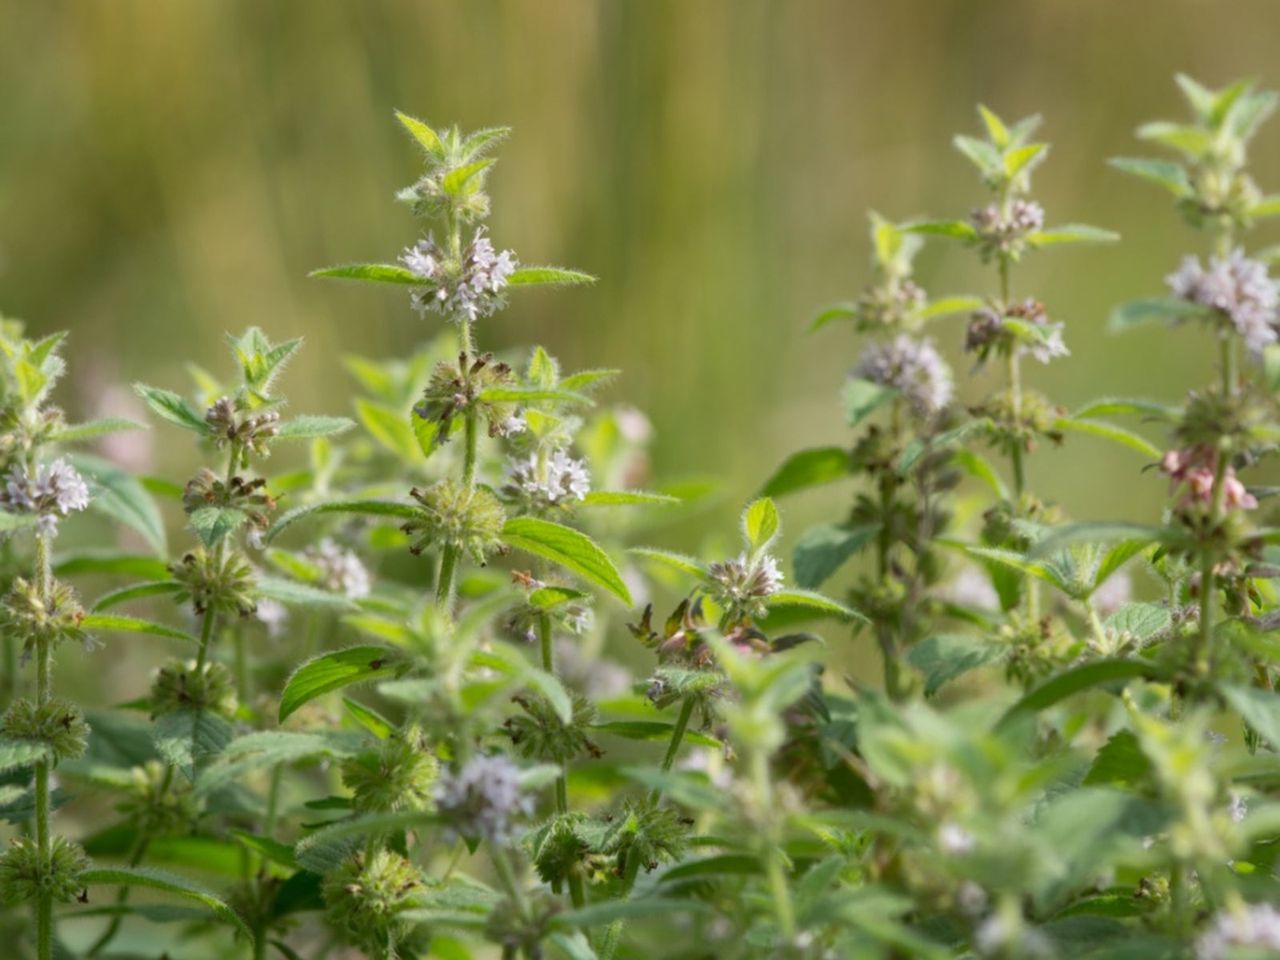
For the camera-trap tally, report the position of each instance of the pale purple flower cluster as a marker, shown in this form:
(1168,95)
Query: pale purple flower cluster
(55,490)
(1255,927)
(746,583)
(471,289)
(482,799)
(913,367)
(987,330)
(1001,233)
(340,569)
(1237,287)
(273,615)
(563,478)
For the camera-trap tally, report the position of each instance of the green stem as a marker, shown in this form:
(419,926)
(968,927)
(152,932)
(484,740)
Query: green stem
(206,633)
(444,580)
(44,904)
(677,734)
(507,877)
(775,869)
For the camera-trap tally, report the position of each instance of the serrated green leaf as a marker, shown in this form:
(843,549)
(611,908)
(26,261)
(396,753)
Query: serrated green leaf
(1120,763)
(1164,173)
(807,600)
(294,594)
(1096,532)
(1108,431)
(808,468)
(760,525)
(1073,681)
(548,276)
(310,427)
(268,748)
(113,624)
(569,548)
(944,657)
(466,178)
(1071,233)
(212,524)
(75,432)
(532,395)
(364,508)
(170,406)
(138,591)
(188,739)
(15,754)
(371,272)
(823,549)
(422,133)
(333,671)
(627,498)
(677,561)
(1125,405)
(165,883)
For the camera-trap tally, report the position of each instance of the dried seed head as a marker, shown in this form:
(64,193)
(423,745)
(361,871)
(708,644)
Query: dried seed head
(365,897)
(452,514)
(32,617)
(400,774)
(57,723)
(181,685)
(26,875)
(219,580)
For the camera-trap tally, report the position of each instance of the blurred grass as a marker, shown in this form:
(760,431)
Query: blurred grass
(172,170)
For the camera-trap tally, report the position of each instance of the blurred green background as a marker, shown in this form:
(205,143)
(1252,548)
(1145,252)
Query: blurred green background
(170,170)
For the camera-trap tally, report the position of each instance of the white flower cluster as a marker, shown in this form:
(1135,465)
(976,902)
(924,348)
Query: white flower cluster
(340,569)
(482,799)
(913,367)
(1255,927)
(746,584)
(471,289)
(560,479)
(1236,286)
(55,490)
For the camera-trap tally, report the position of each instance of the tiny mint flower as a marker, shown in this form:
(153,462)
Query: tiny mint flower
(273,615)
(230,422)
(1115,592)
(971,588)
(26,875)
(1238,288)
(743,585)
(540,485)
(470,289)
(455,387)
(1195,468)
(1034,335)
(1255,928)
(1003,233)
(954,840)
(340,569)
(482,799)
(55,491)
(914,368)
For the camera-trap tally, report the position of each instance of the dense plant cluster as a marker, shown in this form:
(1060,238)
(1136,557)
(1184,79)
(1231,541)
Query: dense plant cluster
(394,730)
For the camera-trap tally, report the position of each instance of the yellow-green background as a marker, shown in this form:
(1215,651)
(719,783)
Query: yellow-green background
(170,169)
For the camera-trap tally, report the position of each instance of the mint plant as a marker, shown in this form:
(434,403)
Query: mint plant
(441,691)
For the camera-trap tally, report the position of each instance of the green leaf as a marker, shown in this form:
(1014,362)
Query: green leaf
(948,305)
(861,398)
(1139,622)
(212,524)
(268,748)
(569,548)
(308,428)
(823,549)
(652,730)
(760,524)
(627,498)
(996,129)
(1125,405)
(466,178)
(1136,313)
(122,498)
(154,588)
(1012,560)
(364,508)
(1024,158)
(187,739)
(588,379)
(390,428)
(1163,173)
(532,395)
(371,272)
(983,155)
(677,561)
(165,883)
(111,562)
(169,406)
(1108,431)
(368,718)
(958,229)
(1096,532)
(548,276)
(15,754)
(837,311)
(1120,763)
(106,623)
(1116,557)
(1260,709)
(271,850)
(1071,233)
(295,594)
(425,136)
(808,601)
(944,657)
(75,432)
(1266,207)
(1192,142)
(9,522)
(1073,681)
(332,671)
(808,468)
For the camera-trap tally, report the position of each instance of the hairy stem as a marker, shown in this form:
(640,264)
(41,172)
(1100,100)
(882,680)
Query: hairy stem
(44,904)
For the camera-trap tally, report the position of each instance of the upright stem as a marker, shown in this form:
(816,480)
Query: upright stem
(775,869)
(44,904)
(206,633)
